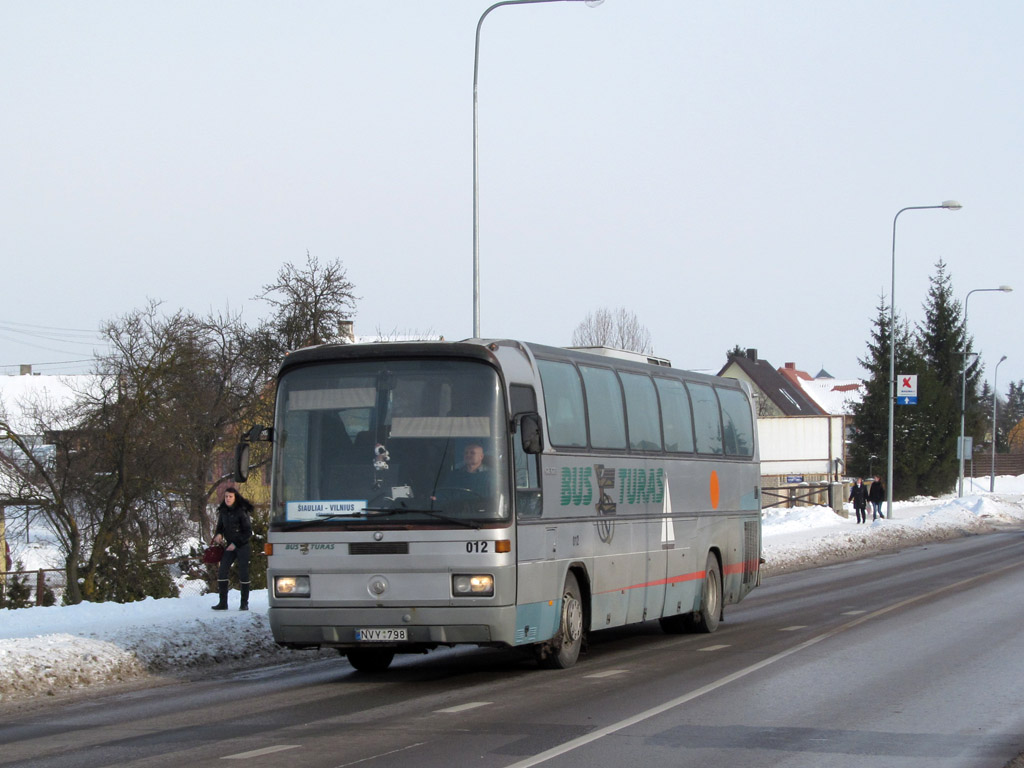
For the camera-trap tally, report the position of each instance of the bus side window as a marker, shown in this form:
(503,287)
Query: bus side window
(527,479)
(563,402)
(675,414)
(707,418)
(737,421)
(526,468)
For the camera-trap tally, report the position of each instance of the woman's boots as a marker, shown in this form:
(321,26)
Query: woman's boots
(222,586)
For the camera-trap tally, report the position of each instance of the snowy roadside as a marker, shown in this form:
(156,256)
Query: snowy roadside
(58,650)
(808,537)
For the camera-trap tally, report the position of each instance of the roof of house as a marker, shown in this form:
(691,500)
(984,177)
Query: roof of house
(835,396)
(781,390)
(25,398)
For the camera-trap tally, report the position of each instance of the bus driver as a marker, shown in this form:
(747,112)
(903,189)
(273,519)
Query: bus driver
(472,473)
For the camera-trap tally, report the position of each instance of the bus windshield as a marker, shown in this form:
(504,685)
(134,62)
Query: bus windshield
(402,442)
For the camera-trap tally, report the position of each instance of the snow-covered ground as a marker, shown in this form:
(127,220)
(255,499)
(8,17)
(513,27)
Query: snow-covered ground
(55,650)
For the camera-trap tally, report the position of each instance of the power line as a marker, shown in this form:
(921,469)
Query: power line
(46,349)
(47,327)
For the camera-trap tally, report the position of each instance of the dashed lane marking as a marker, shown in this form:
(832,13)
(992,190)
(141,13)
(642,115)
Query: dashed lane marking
(258,752)
(464,707)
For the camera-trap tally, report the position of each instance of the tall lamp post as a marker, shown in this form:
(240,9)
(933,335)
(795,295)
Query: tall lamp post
(963,390)
(995,400)
(476,148)
(949,205)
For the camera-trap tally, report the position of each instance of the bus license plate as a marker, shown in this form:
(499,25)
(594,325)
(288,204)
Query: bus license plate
(381,635)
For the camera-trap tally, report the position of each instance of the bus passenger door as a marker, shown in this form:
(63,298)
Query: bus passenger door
(660,539)
(651,539)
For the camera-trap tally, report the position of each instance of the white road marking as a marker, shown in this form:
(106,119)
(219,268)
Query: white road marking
(607,673)
(713,648)
(464,707)
(382,754)
(258,752)
(852,613)
(794,628)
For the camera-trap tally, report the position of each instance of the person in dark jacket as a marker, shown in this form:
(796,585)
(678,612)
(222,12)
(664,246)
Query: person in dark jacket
(859,497)
(876,495)
(234,529)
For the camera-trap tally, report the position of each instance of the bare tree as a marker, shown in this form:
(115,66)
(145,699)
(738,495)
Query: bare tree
(618,328)
(310,303)
(39,477)
(406,334)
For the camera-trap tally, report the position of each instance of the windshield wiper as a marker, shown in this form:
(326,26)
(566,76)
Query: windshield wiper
(296,524)
(416,511)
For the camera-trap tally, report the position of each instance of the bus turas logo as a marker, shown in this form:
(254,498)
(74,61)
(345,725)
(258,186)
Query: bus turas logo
(577,489)
(304,549)
(605,504)
(641,486)
(636,486)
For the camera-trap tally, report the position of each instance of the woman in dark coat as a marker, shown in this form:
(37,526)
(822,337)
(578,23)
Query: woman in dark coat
(859,497)
(234,529)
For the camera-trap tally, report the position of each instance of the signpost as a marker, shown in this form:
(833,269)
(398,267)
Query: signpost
(906,389)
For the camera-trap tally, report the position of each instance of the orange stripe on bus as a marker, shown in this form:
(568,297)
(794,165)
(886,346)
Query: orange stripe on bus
(695,576)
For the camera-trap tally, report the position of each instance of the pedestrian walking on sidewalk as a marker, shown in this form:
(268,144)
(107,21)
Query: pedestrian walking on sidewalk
(859,497)
(876,495)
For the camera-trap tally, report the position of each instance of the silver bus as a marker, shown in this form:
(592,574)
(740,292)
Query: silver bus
(500,493)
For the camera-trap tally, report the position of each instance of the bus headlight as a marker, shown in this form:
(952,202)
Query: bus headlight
(291,586)
(472,585)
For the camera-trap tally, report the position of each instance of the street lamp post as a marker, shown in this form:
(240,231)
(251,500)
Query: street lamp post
(968,364)
(476,148)
(949,205)
(963,390)
(995,400)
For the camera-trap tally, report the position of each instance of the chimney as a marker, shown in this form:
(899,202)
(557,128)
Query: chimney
(26,370)
(346,329)
(752,355)
(790,366)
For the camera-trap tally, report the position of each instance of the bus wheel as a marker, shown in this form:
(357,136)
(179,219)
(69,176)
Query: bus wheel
(370,659)
(564,649)
(711,597)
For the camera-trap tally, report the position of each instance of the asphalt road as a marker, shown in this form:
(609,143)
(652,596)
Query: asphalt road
(905,659)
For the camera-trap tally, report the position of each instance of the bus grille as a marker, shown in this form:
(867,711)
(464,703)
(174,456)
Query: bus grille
(379,548)
(751,552)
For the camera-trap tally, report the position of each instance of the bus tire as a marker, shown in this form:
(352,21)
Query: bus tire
(370,659)
(564,648)
(710,597)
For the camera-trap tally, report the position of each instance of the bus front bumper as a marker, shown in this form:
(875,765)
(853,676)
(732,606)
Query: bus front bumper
(424,627)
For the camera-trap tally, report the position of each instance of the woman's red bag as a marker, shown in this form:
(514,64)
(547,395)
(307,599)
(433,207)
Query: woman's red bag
(213,554)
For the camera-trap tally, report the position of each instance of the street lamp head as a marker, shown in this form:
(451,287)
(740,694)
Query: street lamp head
(1001,359)
(592,3)
(1005,289)
(951,205)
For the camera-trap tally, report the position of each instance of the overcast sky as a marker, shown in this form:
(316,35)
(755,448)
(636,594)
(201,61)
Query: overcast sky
(727,171)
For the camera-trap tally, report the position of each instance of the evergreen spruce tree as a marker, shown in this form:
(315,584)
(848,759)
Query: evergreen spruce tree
(943,345)
(871,414)
(17,592)
(1011,412)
